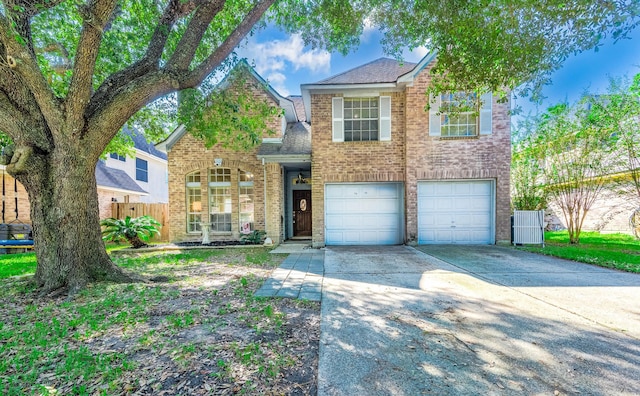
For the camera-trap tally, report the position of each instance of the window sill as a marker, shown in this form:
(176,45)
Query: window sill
(366,142)
(475,137)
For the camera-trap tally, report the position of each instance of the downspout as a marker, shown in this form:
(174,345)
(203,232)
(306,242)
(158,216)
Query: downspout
(264,170)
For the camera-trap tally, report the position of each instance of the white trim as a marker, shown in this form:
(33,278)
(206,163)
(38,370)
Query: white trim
(384,121)
(434,116)
(337,119)
(272,140)
(362,94)
(120,190)
(485,116)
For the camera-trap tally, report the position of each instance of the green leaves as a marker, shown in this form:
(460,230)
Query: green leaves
(129,229)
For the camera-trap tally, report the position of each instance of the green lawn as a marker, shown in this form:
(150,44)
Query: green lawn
(15,264)
(619,251)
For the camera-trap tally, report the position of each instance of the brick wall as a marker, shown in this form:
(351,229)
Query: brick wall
(411,155)
(436,158)
(351,161)
(190,155)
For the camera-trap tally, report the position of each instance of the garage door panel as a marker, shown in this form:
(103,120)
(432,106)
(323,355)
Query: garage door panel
(455,212)
(369,213)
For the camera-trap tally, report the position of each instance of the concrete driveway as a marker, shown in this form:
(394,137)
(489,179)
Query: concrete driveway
(455,320)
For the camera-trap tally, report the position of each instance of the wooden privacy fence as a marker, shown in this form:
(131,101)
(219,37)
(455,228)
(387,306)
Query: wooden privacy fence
(159,211)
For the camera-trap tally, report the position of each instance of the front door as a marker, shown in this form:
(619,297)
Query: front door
(301,213)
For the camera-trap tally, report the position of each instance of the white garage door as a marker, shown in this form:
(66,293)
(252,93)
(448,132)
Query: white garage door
(363,214)
(455,212)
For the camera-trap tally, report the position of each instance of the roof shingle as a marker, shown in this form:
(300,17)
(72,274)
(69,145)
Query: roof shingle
(383,70)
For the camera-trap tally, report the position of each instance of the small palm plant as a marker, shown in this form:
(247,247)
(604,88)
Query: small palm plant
(134,230)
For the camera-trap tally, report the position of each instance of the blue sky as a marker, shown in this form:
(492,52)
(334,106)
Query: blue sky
(285,62)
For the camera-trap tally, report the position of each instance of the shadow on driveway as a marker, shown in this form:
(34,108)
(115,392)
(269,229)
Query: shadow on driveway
(398,321)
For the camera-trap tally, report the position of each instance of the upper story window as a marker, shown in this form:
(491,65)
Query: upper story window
(142,170)
(361,119)
(447,119)
(460,123)
(118,157)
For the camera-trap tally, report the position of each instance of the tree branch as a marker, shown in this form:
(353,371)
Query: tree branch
(21,60)
(123,102)
(122,105)
(96,15)
(222,52)
(186,49)
(150,62)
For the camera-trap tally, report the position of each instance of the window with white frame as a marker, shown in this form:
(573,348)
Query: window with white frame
(220,199)
(194,202)
(357,119)
(460,115)
(246,202)
(455,121)
(360,119)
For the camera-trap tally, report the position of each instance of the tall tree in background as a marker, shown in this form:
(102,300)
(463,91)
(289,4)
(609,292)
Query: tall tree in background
(72,72)
(574,155)
(618,113)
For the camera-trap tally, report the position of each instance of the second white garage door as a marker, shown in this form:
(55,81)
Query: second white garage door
(363,214)
(455,212)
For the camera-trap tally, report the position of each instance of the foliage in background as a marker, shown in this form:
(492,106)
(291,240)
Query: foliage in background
(482,46)
(570,155)
(527,190)
(618,112)
(133,230)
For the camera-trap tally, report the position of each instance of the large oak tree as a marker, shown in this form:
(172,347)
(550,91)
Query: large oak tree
(73,72)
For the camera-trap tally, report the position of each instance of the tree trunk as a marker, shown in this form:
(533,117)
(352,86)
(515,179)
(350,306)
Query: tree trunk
(65,217)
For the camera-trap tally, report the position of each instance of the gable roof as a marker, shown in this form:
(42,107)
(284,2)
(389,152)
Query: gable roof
(290,113)
(382,70)
(116,179)
(381,75)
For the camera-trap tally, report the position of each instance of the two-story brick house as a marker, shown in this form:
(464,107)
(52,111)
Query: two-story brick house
(357,160)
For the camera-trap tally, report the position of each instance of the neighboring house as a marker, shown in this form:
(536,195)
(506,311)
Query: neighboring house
(148,168)
(142,178)
(115,185)
(356,160)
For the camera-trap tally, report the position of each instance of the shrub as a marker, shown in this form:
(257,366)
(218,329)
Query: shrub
(254,238)
(134,230)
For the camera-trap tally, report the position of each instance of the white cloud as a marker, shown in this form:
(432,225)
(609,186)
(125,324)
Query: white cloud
(416,55)
(273,59)
(368,31)
(276,55)
(277,81)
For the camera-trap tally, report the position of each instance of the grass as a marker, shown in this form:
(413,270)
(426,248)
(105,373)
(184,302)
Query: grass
(619,251)
(200,332)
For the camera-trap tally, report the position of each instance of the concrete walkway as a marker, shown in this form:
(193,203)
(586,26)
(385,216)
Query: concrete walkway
(299,276)
(397,321)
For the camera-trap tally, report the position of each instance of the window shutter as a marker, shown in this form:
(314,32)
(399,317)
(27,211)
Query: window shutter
(338,122)
(385,118)
(434,117)
(485,114)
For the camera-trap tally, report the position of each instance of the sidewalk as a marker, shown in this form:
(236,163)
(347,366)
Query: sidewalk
(299,276)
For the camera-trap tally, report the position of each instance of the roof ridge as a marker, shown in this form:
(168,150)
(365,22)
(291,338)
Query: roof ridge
(335,76)
(350,70)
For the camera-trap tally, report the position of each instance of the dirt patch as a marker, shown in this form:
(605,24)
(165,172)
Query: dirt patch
(202,333)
